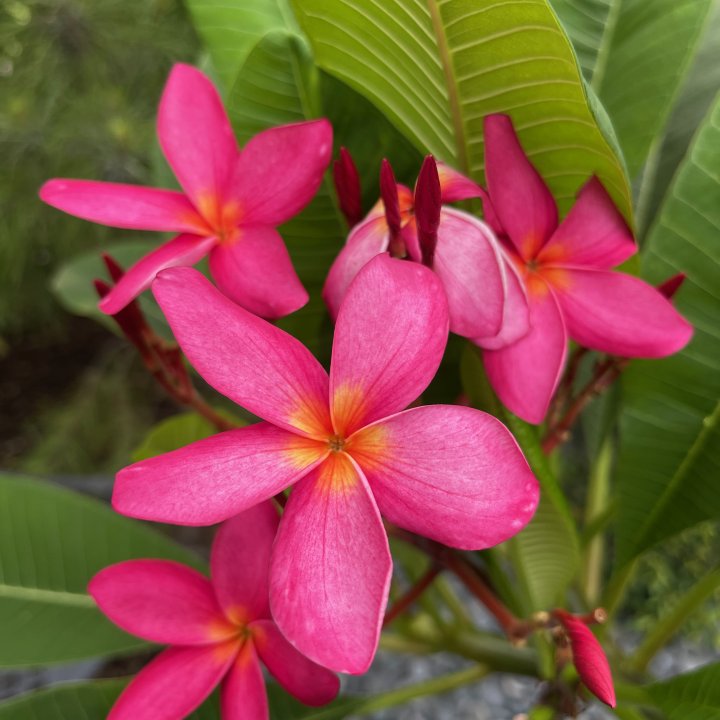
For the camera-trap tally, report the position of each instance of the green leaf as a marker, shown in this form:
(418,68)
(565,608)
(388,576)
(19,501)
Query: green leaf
(435,69)
(73,286)
(694,101)
(175,432)
(695,696)
(635,54)
(670,450)
(89,700)
(52,542)
(230,29)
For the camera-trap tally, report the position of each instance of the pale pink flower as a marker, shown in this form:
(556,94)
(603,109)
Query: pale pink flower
(231,204)
(219,630)
(450,473)
(566,270)
(461,249)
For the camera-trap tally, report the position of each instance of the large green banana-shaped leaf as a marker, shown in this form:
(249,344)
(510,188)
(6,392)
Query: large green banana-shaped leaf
(437,68)
(694,696)
(670,454)
(635,54)
(52,542)
(692,105)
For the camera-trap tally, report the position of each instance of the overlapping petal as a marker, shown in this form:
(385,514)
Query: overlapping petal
(280,170)
(594,233)
(178,252)
(307,681)
(213,479)
(526,373)
(619,314)
(467,261)
(455,186)
(240,561)
(124,206)
(197,139)
(243,695)
(450,473)
(331,568)
(366,240)
(256,271)
(160,601)
(516,315)
(389,339)
(522,202)
(175,683)
(255,364)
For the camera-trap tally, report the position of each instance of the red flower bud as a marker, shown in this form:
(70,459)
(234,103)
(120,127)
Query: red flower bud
(428,203)
(589,657)
(389,194)
(347,187)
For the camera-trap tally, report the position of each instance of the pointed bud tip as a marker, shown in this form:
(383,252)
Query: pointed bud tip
(670,286)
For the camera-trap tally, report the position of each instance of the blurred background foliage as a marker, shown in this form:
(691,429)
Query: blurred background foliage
(79,85)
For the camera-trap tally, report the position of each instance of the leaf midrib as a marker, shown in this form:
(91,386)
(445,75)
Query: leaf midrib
(53,597)
(461,153)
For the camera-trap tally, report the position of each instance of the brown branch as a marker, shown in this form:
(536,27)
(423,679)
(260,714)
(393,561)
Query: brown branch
(605,375)
(412,594)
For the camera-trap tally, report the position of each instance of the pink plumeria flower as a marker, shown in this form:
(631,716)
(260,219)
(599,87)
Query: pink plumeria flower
(466,256)
(231,204)
(450,473)
(566,270)
(218,629)
(589,657)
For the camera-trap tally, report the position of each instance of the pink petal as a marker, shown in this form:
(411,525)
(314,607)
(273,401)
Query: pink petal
(213,479)
(243,695)
(175,683)
(308,682)
(589,658)
(257,273)
(331,568)
(197,138)
(467,260)
(182,250)
(453,474)
(523,204)
(240,562)
(516,315)
(619,314)
(255,364)
(160,601)
(526,373)
(389,339)
(124,206)
(455,186)
(368,239)
(281,169)
(593,234)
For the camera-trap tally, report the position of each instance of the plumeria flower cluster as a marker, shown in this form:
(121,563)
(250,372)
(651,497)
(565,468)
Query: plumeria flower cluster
(305,591)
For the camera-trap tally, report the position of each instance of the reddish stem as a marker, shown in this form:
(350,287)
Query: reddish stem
(470,576)
(605,375)
(412,594)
